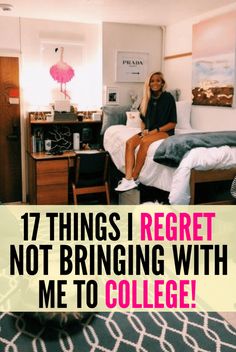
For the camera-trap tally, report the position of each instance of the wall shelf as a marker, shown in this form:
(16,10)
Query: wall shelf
(61,131)
(177,56)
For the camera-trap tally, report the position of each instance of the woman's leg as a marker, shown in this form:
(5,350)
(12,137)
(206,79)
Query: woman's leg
(144,145)
(131,145)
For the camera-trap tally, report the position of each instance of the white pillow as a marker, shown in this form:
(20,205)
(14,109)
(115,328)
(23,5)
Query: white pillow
(183,108)
(133,119)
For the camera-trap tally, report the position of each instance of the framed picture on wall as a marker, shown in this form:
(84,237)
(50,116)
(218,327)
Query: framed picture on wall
(131,66)
(213,68)
(112,95)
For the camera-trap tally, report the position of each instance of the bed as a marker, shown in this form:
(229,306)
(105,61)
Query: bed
(198,165)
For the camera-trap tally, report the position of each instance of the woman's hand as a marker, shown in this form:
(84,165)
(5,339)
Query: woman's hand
(152,132)
(155,131)
(144,133)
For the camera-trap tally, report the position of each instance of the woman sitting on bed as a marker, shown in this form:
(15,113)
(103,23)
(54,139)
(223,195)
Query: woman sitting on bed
(158,114)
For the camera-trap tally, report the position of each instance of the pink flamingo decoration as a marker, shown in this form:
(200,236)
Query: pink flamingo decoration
(62,73)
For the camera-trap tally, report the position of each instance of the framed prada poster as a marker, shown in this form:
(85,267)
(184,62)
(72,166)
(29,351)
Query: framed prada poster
(131,66)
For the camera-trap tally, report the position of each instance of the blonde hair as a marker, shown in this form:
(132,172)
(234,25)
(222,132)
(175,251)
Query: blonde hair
(147,91)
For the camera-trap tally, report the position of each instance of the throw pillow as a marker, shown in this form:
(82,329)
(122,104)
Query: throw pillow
(133,119)
(183,108)
(175,93)
(113,115)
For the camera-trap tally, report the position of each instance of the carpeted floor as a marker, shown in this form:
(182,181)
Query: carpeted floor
(122,332)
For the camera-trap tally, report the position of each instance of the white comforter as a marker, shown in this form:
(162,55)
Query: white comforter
(173,180)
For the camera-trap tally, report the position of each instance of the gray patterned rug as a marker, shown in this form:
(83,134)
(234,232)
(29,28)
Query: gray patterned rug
(122,332)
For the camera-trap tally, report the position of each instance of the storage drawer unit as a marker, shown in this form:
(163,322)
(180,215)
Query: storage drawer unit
(48,181)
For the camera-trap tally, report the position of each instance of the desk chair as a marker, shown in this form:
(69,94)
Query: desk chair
(91,172)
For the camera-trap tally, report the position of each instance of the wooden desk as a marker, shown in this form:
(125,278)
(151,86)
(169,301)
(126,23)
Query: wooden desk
(49,177)
(49,174)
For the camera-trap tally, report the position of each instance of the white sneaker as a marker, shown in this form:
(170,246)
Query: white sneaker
(126,185)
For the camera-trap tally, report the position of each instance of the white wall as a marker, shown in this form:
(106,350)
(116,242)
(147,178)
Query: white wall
(84,40)
(10,35)
(129,37)
(26,37)
(178,73)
